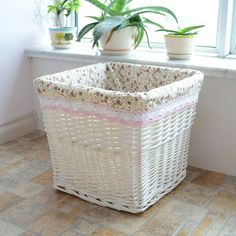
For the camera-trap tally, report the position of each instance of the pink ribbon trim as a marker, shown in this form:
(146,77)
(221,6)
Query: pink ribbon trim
(118,119)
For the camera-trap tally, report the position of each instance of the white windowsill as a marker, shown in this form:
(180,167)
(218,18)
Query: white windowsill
(209,63)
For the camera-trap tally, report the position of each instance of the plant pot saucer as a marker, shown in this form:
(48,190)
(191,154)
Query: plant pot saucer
(179,56)
(61,46)
(114,52)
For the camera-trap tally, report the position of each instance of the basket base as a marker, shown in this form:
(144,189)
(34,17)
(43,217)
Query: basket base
(101,202)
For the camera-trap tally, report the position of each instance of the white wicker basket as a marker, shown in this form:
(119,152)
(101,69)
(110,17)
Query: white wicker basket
(119,133)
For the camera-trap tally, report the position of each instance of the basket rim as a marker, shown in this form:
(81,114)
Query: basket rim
(160,94)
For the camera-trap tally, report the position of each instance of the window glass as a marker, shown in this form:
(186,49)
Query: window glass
(188,12)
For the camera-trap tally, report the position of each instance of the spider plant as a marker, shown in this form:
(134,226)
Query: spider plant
(117,15)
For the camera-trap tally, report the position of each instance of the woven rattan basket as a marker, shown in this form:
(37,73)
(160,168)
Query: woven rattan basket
(119,133)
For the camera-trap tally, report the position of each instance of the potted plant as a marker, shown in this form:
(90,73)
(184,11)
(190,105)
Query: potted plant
(120,29)
(63,36)
(180,43)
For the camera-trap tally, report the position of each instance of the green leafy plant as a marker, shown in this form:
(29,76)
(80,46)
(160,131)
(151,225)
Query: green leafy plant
(65,7)
(117,15)
(187,31)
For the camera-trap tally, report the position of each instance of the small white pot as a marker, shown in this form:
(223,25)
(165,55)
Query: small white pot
(121,42)
(180,47)
(62,38)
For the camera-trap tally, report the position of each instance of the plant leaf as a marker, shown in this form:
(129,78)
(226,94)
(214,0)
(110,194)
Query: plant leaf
(109,7)
(131,21)
(101,6)
(139,36)
(146,34)
(152,9)
(189,29)
(51,8)
(168,31)
(95,18)
(105,26)
(85,30)
(146,20)
(120,5)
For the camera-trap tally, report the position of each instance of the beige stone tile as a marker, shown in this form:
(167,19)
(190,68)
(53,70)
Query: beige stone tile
(190,175)
(7,229)
(182,233)
(230,227)
(8,200)
(195,194)
(127,223)
(2,190)
(84,227)
(217,225)
(154,209)
(7,158)
(171,218)
(24,212)
(30,233)
(49,196)
(176,189)
(70,233)
(230,188)
(99,215)
(230,179)
(52,223)
(186,229)
(38,152)
(194,169)
(107,232)
(34,136)
(224,202)
(22,174)
(229,184)
(10,167)
(42,140)
(209,179)
(72,205)
(8,182)
(18,146)
(28,170)
(204,225)
(46,178)
(25,171)
(28,190)
(36,148)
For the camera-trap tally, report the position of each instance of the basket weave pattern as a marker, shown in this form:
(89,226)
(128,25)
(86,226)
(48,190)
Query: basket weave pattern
(121,155)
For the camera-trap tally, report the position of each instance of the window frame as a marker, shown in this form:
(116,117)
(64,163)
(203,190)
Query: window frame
(226,30)
(233,33)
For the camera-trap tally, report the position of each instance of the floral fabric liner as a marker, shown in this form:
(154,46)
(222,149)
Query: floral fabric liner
(135,88)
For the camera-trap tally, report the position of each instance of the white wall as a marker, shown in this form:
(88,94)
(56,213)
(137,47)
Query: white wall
(19,30)
(213,138)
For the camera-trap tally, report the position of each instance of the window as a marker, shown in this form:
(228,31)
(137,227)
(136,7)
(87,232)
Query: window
(189,15)
(218,16)
(233,36)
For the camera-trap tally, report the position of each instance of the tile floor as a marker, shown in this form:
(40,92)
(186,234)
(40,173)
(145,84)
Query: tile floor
(204,204)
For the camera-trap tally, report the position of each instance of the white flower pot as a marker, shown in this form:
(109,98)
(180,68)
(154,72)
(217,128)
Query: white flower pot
(62,38)
(180,47)
(121,42)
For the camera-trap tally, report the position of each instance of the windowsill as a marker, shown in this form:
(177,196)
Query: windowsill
(209,63)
